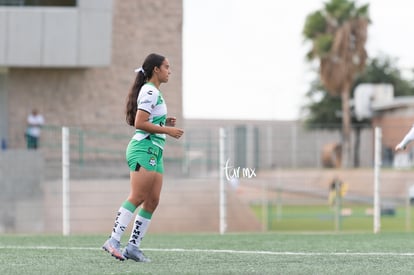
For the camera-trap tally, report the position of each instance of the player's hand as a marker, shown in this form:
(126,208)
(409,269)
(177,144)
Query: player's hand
(399,147)
(175,132)
(171,121)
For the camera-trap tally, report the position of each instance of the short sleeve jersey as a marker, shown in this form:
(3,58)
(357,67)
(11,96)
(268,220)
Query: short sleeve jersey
(35,122)
(151,101)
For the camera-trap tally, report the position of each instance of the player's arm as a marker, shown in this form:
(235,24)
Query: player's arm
(142,122)
(407,139)
(171,121)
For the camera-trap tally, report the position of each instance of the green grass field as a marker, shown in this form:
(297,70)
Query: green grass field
(322,218)
(260,253)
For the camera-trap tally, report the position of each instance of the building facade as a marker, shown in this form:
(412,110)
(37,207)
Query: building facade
(75,62)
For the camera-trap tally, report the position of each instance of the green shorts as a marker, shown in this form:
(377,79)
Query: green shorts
(145,154)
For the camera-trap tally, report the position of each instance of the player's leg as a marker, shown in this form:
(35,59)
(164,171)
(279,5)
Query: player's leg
(140,185)
(138,178)
(143,220)
(123,218)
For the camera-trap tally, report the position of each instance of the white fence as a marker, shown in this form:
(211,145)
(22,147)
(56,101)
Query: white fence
(211,184)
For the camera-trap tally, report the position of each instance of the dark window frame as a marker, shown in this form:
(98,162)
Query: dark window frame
(39,3)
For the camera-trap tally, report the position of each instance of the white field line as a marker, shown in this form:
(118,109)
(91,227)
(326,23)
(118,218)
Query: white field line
(229,251)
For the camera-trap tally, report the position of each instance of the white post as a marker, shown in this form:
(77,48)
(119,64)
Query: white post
(65,182)
(222,200)
(269,147)
(408,208)
(294,132)
(377,167)
(265,206)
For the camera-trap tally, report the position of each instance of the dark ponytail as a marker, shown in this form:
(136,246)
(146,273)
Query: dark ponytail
(144,74)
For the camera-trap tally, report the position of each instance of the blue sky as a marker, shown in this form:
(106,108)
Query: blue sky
(244,59)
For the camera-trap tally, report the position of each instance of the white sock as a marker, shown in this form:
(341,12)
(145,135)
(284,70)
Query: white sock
(141,225)
(122,220)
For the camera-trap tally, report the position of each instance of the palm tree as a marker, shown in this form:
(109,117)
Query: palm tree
(338,34)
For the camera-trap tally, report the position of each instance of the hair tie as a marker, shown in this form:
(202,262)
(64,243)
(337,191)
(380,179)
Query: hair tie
(140,69)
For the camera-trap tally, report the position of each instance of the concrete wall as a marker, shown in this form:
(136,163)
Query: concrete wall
(21,196)
(4,113)
(56,37)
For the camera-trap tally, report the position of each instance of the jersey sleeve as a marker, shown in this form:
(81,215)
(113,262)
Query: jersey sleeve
(147,99)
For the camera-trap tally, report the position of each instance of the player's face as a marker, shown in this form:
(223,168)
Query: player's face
(164,71)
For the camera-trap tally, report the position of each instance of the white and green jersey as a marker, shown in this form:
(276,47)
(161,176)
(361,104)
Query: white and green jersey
(151,101)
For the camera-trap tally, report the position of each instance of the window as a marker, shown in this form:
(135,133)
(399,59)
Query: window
(45,3)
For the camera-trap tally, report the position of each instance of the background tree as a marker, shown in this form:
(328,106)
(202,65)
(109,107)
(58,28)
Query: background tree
(322,109)
(384,69)
(338,34)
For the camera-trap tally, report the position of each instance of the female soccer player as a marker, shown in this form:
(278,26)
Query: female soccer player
(407,139)
(147,112)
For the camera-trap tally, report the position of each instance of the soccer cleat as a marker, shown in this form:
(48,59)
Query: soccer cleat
(113,247)
(134,253)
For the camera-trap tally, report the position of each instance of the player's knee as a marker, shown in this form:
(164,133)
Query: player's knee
(136,200)
(151,204)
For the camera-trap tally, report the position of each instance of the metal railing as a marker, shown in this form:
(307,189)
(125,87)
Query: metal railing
(292,195)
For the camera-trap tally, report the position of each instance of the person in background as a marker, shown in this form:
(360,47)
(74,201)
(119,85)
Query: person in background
(35,122)
(146,111)
(407,139)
